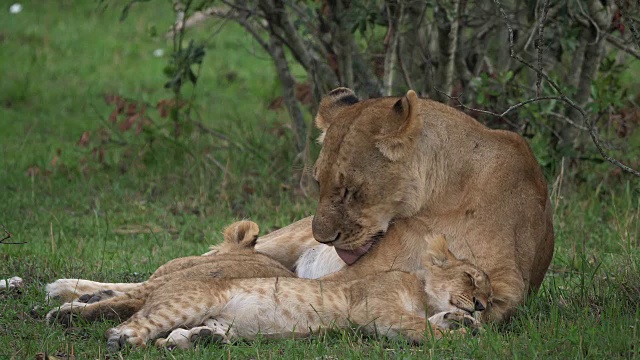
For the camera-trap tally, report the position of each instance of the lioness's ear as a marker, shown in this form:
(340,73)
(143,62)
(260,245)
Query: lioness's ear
(331,104)
(437,252)
(406,128)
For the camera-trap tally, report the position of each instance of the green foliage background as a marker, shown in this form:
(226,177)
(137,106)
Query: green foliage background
(119,219)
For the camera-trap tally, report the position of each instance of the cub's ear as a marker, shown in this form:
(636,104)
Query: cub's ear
(437,252)
(333,102)
(405,127)
(243,233)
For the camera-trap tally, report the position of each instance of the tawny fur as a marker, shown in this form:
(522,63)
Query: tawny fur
(420,168)
(411,168)
(391,303)
(236,258)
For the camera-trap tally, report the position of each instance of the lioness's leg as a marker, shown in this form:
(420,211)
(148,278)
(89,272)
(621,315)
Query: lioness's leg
(286,245)
(508,293)
(71,289)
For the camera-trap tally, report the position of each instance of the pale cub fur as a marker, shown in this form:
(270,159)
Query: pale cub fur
(236,258)
(391,303)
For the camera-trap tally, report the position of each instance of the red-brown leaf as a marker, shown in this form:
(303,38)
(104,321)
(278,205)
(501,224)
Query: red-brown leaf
(127,123)
(84,139)
(113,117)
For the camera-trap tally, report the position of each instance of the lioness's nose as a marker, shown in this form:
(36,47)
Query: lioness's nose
(478,305)
(323,233)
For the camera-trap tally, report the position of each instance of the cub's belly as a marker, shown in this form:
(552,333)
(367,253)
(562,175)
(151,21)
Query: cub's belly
(251,313)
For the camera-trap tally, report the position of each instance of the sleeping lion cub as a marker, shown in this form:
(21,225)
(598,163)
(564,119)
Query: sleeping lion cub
(236,258)
(392,303)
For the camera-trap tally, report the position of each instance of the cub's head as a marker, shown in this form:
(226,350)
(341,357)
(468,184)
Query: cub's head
(239,236)
(452,283)
(366,169)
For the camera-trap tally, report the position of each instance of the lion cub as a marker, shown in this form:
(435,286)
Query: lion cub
(392,304)
(236,258)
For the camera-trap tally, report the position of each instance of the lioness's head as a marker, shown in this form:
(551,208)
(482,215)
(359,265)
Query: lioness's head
(241,235)
(452,283)
(365,170)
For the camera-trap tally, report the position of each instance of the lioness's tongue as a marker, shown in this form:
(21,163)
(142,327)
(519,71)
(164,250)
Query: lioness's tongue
(351,256)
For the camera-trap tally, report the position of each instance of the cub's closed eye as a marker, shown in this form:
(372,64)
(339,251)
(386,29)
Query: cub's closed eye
(471,280)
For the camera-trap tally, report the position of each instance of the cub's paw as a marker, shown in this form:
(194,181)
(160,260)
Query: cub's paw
(204,335)
(201,335)
(65,313)
(458,320)
(98,296)
(178,338)
(118,339)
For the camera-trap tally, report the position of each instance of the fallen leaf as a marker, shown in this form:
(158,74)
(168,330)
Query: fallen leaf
(84,139)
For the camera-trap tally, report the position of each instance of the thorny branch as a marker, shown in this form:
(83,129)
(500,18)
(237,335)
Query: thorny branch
(3,240)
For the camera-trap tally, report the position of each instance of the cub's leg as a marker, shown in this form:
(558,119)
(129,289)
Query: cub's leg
(117,308)
(71,289)
(166,311)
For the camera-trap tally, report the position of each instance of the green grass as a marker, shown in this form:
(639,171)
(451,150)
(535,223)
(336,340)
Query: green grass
(59,58)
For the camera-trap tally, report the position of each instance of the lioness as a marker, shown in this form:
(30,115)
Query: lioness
(395,303)
(409,168)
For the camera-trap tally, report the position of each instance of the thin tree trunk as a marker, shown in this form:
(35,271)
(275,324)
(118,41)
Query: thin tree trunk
(276,49)
(593,52)
(394,15)
(448,22)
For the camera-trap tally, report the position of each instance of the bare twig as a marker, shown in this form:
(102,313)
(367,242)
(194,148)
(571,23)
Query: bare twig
(619,43)
(509,109)
(567,120)
(3,240)
(540,44)
(561,96)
